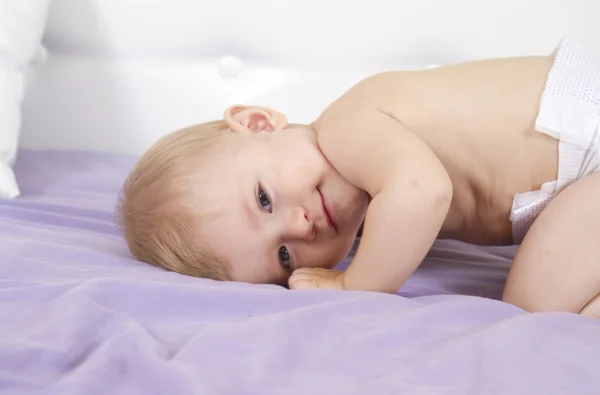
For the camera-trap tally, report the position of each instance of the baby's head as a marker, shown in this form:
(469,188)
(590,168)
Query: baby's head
(249,198)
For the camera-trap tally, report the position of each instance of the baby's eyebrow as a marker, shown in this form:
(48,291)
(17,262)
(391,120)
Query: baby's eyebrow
(251,216)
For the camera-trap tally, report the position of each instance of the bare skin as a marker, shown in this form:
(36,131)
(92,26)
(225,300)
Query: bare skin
(478,119)
(444,152)
(418,155)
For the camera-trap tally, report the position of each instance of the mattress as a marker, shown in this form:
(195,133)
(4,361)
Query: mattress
(78,315)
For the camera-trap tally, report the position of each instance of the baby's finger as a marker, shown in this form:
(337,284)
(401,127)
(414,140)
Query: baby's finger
(302,282)
(305,270)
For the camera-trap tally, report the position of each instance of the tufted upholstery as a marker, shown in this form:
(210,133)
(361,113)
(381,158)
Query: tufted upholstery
(120,73)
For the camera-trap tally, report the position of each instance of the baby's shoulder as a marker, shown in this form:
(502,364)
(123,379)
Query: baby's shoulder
(369,147)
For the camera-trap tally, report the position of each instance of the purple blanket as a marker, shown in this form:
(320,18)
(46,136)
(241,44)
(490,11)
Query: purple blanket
(79,316)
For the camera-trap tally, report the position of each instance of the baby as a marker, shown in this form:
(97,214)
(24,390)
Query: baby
(494,152)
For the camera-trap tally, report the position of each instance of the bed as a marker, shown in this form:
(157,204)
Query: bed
(78,315)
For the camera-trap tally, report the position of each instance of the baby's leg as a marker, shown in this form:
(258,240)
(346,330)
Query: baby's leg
(557,266)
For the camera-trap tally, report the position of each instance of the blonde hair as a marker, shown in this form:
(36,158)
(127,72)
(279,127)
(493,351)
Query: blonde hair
(159,228)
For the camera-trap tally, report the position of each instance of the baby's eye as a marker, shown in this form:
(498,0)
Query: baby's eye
(284,258)
(263,200)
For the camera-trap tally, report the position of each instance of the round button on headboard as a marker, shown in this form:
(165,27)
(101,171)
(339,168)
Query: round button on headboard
(230,66)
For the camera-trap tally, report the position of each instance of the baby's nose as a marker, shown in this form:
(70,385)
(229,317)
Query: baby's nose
(299,225)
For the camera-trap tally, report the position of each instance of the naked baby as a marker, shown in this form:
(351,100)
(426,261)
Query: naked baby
(493,152)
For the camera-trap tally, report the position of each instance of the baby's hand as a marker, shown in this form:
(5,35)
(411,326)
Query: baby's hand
(313,278)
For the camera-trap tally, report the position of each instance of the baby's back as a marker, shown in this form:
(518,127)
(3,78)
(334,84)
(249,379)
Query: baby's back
(479,118)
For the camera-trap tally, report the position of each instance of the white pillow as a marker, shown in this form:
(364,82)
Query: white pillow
(22,24)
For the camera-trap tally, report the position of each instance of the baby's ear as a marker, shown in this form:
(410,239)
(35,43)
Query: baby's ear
(254,119)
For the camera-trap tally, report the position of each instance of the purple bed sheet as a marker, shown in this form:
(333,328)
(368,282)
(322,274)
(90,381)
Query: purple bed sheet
(79,316)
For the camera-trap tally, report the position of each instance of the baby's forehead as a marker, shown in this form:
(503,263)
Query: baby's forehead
(209,190)
(217,181)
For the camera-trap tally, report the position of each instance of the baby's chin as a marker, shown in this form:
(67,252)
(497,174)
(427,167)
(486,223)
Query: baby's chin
(331,258)
(347,253)
(344,254)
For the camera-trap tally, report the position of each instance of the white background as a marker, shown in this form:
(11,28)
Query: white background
(121,73)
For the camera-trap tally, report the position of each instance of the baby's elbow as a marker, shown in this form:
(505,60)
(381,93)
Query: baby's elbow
(442,192)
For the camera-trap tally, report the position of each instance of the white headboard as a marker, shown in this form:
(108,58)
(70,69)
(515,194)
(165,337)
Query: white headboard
(121,73)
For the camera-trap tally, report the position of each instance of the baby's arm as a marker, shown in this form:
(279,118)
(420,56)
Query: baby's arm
(411,194)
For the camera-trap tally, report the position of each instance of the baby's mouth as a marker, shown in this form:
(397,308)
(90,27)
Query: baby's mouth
(328,213)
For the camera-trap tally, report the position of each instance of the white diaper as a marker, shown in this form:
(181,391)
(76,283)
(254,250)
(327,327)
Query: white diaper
(569,112)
